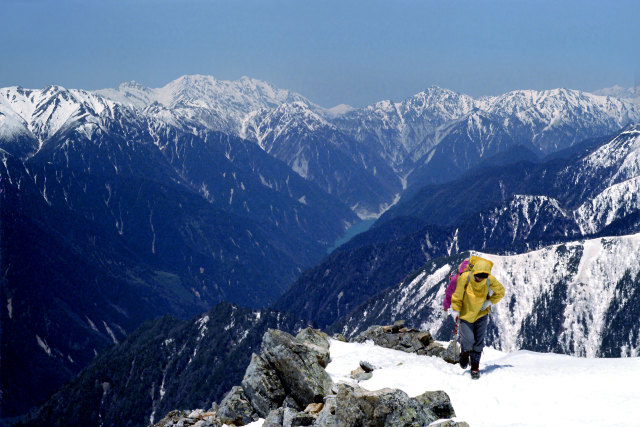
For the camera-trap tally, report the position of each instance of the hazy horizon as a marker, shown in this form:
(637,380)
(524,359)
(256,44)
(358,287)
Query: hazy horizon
(354,52)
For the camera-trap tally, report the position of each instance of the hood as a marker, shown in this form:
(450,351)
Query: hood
(480,265)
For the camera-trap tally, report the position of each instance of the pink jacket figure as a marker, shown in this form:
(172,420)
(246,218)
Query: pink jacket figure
(452,284)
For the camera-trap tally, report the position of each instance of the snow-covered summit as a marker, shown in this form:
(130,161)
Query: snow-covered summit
(40,114)
(206,101)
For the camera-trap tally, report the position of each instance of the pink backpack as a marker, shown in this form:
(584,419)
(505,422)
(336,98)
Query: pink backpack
(453,280)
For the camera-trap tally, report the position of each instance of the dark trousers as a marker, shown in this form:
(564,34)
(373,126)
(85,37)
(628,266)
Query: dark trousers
(472,334)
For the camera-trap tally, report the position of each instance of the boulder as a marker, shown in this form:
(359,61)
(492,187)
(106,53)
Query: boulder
(354,405)
(438,403)
(262,386)
(339,337)
(288,369)
(314,336)
(449,354)
(274,419)
(293,418)
(366,366)
(236,409)
(402,338)
(197,418)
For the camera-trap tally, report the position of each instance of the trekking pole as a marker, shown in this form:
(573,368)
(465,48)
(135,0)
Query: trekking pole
(455,339)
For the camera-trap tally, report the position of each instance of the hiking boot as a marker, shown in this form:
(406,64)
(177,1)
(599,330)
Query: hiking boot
(475,371)
(464,359)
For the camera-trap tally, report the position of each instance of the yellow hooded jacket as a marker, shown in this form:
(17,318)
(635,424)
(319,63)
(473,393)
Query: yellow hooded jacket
(469,302)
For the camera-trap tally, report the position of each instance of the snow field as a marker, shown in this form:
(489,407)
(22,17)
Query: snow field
(521,388)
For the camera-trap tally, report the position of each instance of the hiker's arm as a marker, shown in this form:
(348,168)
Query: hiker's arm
(498,290)
(456,298)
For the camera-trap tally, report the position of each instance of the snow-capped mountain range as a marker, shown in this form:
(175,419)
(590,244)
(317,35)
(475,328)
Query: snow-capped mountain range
(429,137)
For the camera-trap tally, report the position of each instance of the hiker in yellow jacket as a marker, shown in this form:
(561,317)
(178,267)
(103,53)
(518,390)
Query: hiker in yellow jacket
(476,291)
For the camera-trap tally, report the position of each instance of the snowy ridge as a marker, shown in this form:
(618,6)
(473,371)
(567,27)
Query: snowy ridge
(523,215)
(622,154)
(411,127)
(47,111)
(272,124)
(615,202)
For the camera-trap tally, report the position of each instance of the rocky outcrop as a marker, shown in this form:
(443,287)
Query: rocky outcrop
(287,385)
(235,408)
(398,337)
(288,369)
(353,405)
(197,418)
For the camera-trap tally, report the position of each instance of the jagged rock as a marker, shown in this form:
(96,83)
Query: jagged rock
(293,418)
(236,409)
(450,423)
(197,418)
(314,336)
(449,355)
(340,337)
(366,366)
(438,403)
(291,364)
(262,386)
(401,338)
(354,405)
(274,419)
(397,325)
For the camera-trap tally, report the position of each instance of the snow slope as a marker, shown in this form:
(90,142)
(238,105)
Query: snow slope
(521,388)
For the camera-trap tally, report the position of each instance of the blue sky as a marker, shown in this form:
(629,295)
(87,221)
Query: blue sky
(354,52)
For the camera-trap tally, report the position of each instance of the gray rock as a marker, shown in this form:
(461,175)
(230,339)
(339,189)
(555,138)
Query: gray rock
(397,325)
(288,368)
(450,423)
(449,355)
(262,386)
(366,366)
(293,418)
(355,406)
(362,376)
(340,337)
(438,403)
(404,339)
(198,418)
(299,366)
(274,419)
(314,336)
(236,409)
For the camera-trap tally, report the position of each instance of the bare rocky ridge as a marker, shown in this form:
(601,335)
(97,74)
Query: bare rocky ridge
(286,385)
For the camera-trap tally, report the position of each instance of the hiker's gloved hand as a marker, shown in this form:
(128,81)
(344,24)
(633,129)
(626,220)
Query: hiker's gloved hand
(486,305)
(455,314)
